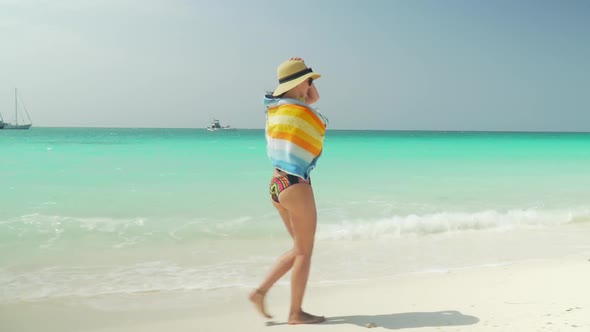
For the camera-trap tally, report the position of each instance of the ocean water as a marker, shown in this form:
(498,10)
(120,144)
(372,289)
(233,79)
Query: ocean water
(88,212)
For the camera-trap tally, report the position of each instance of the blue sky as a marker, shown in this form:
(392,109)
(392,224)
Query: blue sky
(400,65)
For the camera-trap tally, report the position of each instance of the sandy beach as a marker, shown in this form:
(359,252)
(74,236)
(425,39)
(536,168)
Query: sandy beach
(540,295)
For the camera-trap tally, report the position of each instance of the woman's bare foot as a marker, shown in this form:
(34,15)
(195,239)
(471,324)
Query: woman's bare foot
(257,297)
(305,318)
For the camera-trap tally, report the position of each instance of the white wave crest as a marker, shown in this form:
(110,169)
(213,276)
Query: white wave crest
(444,222)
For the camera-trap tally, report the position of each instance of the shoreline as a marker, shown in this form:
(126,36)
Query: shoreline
(524,296)
(240,264)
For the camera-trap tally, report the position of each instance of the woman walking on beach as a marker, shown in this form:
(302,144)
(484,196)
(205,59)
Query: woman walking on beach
(295,134)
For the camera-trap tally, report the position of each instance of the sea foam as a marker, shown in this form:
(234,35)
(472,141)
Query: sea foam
(443,222)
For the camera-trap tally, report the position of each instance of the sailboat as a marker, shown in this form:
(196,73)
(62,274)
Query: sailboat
(16,125)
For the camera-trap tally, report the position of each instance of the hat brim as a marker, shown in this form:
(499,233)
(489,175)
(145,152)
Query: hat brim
(284,87)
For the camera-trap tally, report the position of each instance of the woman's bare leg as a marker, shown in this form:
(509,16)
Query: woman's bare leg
(300,203)
(282,266)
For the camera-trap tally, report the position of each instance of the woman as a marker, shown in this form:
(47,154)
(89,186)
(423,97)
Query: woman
(295,134)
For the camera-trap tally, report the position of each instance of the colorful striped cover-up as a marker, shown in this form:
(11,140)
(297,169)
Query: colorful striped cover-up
(294,135)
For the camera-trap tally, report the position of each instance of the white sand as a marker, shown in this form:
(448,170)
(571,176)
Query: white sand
(544,295)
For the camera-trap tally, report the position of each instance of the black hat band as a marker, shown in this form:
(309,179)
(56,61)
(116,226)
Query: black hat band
(294,76)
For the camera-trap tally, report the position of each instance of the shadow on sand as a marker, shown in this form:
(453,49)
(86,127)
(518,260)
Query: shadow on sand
(403,320)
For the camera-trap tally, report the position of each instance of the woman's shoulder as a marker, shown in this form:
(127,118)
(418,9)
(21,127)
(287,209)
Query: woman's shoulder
(270,102)
(276,101)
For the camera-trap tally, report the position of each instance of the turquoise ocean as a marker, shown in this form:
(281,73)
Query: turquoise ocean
(88,212)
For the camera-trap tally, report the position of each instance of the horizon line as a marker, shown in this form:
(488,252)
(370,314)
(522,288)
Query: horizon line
(342,129)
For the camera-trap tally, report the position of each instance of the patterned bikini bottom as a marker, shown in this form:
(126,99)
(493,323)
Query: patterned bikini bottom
(282,182)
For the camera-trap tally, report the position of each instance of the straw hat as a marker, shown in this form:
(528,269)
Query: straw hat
(291,73)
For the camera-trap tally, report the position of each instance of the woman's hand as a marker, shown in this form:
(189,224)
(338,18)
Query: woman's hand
(312,94)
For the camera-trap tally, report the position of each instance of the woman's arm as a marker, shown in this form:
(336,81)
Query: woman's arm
(312,95)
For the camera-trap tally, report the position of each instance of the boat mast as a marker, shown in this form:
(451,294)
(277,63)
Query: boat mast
(15,108)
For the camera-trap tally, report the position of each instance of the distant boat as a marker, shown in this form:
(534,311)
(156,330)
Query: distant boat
(16,125)
(214,126)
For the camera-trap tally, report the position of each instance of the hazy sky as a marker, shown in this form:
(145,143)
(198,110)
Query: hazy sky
(427,65)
